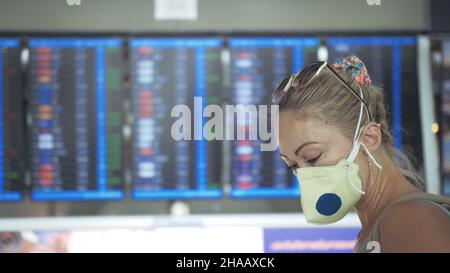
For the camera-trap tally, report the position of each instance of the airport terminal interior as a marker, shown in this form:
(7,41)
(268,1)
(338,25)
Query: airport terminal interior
(91,92)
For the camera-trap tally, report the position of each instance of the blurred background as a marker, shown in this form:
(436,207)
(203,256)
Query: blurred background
(87,160)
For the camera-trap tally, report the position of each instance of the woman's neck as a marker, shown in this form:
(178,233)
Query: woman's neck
(385,186)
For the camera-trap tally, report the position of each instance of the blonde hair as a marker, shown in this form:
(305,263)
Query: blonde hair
(326,99)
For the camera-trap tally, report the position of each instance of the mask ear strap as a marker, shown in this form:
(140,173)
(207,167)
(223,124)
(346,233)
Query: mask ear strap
(371,157)
(354,153)
(350,180)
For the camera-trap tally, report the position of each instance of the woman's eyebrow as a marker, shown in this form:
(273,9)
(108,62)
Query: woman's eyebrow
(304,145)
(299,148)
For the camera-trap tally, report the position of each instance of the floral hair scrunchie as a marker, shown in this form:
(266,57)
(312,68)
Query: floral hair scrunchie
(354,68)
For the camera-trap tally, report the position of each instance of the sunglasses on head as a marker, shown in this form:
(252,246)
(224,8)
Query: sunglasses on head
(309,73)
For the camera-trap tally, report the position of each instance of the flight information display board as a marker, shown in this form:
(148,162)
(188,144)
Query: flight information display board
(445,116)
(76,107)
(166,72)
(76,137)
(257,65)
(392,64)
(11,121)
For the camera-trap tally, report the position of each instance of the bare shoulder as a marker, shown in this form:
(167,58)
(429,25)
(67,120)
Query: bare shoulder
(415,226)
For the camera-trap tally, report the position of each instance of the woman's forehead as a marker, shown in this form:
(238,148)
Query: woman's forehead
(301,128)
(295,131)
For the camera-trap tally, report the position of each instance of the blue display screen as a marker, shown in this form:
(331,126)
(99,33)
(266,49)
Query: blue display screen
(11,133)
(76,108)
(391,63)
(257,65)
(166,72)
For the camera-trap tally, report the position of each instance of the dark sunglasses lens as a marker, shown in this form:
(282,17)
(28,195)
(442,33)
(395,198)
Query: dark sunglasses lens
(303,76)
(306,74)
(279,90)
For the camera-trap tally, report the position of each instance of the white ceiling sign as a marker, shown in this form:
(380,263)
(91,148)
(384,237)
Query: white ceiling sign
(175,10)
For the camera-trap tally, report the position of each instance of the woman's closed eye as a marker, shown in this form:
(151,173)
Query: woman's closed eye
(313,160)
(309,162)
(292,168)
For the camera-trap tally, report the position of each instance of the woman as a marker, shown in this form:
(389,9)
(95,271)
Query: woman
(334,135)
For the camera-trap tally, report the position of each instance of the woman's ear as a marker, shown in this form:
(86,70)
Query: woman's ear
(371,136)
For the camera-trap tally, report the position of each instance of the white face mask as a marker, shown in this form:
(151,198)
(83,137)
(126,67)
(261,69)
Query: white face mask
(328,193)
